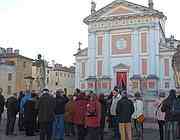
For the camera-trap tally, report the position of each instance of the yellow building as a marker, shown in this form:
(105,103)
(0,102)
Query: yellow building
(58,76)
(23,67)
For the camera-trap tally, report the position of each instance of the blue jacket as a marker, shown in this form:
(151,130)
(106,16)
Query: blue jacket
(24,100)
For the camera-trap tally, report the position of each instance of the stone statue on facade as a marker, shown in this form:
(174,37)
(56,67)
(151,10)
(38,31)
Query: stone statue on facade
(93,7)
(176,66)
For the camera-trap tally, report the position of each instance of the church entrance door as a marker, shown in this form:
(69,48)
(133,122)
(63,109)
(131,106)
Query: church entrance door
(121,80)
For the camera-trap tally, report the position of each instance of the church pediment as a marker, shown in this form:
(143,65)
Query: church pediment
(120,9)
(121,66)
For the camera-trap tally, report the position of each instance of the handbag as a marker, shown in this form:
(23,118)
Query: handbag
(141,119)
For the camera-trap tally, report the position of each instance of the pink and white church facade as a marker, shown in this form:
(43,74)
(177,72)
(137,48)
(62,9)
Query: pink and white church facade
(126,46)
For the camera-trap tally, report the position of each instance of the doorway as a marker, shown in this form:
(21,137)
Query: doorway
(121,80)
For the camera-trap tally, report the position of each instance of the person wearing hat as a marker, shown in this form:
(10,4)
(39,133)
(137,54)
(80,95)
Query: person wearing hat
(46,106)
(160,116)
(124,111)
(138,111)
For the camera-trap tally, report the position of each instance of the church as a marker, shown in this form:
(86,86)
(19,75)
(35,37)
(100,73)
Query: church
(127,46)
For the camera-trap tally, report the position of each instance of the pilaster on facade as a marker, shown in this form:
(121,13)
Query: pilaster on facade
(136,52)
(152,51)
(92,54)
(106,53)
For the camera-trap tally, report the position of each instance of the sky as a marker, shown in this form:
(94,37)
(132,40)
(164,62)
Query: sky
(54,27)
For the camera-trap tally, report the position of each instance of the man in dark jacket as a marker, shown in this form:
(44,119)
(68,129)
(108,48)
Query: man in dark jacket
(170,119)
(58,125)
(21,114)
(178,129)
(12,110)
(30,115)
(2,103)
(124,110)
(46,107)
(103,115)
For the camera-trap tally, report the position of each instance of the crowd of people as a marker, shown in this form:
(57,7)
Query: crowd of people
(84,116)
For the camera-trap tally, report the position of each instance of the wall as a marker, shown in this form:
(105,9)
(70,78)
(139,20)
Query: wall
(4,83)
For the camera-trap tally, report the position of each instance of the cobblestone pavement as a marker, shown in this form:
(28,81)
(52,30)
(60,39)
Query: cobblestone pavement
(149,134)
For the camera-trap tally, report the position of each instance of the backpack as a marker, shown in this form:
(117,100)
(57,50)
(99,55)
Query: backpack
(176,110)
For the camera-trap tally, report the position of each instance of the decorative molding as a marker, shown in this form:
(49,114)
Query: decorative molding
(115,24)
(141,11)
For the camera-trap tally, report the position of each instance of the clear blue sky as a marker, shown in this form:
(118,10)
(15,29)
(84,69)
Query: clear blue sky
(54,27)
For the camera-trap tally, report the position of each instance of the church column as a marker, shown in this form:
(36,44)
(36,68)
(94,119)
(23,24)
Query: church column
(106,54)
(77,75)
(135,51)
(92,54)
(152,50)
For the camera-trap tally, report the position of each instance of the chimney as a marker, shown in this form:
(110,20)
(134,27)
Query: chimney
(93,7)
(16,52)
(151,4)
(9,50)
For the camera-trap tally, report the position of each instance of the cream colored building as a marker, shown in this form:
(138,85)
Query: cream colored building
(23,67)
(7,78)
(58,76)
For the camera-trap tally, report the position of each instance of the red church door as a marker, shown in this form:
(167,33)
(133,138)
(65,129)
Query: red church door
(121,79)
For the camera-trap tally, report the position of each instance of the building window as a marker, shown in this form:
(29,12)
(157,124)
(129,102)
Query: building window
(83,68)
(151,84)
(68,75)
(64,75)
(144,84)
(61,74)
(24,65)
(120,43)
(9,90)
(9,76)
(56,84)
(100,45)
(56,73)
(99,67)
(47,71)
(143,42)
(144,66)
(166,85)
(166,67)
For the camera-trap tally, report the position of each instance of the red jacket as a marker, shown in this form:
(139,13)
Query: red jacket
(93,114)
(80,110)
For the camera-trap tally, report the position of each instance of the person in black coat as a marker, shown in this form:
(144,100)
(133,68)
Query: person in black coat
(30,115)
(170,119)
(12,110)
(46,106)
(21,114)
(103,115)
(58,125)
(2,103)
(178,129)
(124,110)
